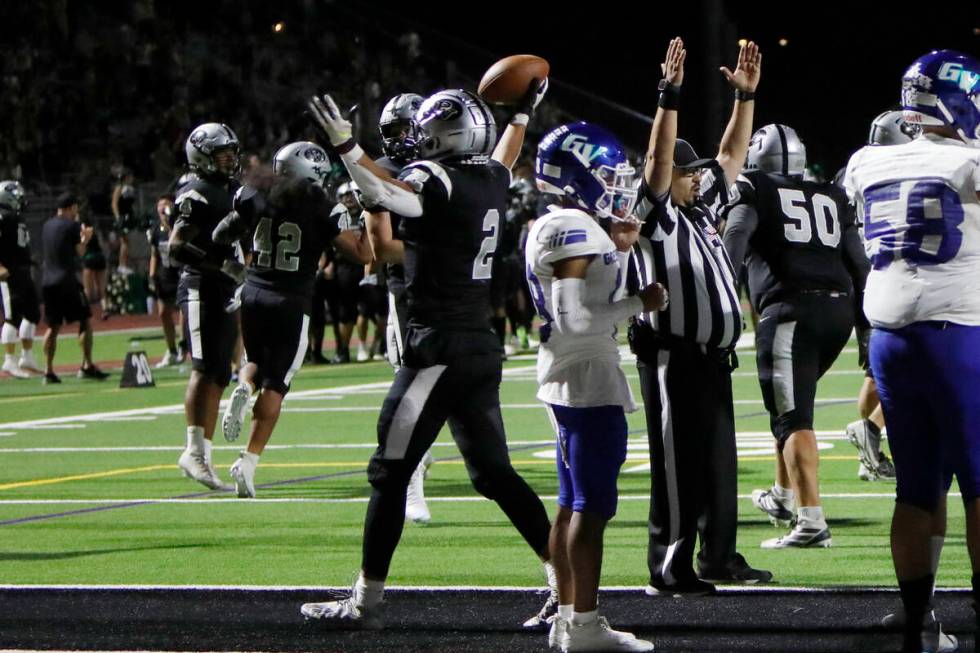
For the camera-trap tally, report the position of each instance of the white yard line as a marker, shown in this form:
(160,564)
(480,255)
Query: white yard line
(230,500)
(451,588)
(748,437)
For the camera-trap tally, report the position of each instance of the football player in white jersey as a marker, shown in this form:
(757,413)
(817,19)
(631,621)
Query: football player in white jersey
(576,273)
(920,204)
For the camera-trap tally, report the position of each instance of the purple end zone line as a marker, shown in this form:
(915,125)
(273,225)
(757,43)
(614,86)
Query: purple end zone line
(306,479)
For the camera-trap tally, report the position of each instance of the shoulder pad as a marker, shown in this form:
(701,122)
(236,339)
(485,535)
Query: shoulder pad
(418,173)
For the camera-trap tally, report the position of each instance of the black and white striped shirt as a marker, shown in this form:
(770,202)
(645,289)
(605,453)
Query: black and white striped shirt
(681,249)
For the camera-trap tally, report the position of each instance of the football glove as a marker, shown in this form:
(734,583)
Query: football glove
(328,120)
(524,110)
(863,338)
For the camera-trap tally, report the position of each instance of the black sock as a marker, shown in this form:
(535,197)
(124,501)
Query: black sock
(917,598)
(976,597)
(500,326)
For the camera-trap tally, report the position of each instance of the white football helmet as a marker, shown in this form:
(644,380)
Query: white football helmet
(455,124)
(776,149)
(890,128)
(205,142)
(302,160)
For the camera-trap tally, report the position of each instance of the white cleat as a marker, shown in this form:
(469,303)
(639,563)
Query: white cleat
(29,363)
(346,612)
(13,369)
(362,354)
(557,633)
(803,536)
(243,471)
(780,511)
(415,507)
(598,636)
(235,410)
(197,468)
(169,360)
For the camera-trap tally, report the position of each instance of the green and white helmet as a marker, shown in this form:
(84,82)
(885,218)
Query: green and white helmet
(12,196)
(302,160)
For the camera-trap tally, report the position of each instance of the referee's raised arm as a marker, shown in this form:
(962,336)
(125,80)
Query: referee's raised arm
(660,153)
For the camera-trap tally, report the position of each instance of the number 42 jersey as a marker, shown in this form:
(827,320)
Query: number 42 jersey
(918,202)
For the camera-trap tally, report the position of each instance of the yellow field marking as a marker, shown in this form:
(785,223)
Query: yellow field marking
(84,477)
(10,400)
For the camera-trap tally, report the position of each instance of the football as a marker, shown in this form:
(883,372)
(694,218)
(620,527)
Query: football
(506,81)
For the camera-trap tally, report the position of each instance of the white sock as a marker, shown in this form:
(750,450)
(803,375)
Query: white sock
(8,334)
(10,358)
(783,493)
(368,593)
(195,438)
(566,611)
(207,451)
(812,514)
(583,618)
(251,457)
(27,330)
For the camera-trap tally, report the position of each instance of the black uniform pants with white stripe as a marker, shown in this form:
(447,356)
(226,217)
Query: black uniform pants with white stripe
(691,428)
(466,393)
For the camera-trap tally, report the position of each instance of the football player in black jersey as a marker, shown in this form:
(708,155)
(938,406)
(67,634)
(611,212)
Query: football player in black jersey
(18,294)
(806,272)
(164,276)
(452,201)
(399,140)
(208,281)
(290,225)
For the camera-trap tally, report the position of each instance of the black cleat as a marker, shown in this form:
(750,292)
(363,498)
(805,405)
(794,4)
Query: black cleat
(92,372)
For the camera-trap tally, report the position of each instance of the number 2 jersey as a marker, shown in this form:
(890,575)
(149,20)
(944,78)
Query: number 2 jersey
(290,226)
(449,249)
(579,370)
(918,202)
(804,238)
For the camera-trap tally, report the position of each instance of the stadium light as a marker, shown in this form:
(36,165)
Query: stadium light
(783,42)
(279,27)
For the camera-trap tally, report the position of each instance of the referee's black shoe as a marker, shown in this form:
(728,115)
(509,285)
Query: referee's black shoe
(736,571)
(682,588)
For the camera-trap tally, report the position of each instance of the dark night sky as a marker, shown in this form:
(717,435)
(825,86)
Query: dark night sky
(841,67)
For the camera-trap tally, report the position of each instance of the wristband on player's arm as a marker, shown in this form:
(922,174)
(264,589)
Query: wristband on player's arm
(670,96)
(744,96)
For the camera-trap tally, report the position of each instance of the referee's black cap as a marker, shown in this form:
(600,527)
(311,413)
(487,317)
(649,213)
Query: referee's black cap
(686,158)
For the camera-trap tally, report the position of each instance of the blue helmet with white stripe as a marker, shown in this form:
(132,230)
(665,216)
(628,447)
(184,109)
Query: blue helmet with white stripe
(942,88)
(588,165)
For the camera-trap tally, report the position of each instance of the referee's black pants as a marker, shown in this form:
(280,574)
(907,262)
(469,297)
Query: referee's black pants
(691,428)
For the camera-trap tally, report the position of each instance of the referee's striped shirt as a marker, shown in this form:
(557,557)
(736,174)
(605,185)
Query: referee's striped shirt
(684,252)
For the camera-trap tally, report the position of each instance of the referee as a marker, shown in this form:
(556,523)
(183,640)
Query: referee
(685,354)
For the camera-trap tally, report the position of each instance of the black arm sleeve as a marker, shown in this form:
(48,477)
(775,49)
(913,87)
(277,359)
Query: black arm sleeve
(858,266)
(742,221)
(181,249)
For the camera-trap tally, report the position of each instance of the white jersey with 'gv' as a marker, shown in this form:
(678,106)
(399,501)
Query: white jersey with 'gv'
(918,203)
(579,370)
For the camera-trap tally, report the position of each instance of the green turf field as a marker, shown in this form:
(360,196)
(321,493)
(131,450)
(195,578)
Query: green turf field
(307,532)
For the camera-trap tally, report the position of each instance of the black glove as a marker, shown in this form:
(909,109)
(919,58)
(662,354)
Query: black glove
(863,337)
(532,98)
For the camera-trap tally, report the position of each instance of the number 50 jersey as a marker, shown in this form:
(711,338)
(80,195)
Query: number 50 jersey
(921,219)
(290,227)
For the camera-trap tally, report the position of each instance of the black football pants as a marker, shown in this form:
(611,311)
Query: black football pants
(465,393)
(691,429)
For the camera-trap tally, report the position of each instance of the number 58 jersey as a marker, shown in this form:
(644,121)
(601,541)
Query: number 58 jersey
(918,202)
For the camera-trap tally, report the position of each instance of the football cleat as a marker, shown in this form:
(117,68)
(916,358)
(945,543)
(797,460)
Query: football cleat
(362,354)
(598,636)
(864,435)
(558,633)
(11,367)
(243,471)
(736,571)
(235,410)
(780,511)
(547,615)
(416,508)
(51,378)
(347,611)
(681,589)
(802,536)
(29,363)
(197,468)
(169,359)
(92,372)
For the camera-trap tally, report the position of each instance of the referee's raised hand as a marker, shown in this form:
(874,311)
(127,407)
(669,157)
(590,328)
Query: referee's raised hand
(673,65)
(746,74)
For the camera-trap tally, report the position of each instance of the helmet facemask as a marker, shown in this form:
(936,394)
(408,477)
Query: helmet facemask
(620,194)
(400,140)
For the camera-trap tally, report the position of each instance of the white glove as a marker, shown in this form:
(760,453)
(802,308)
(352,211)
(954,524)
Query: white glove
(235,270)
(326,116)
